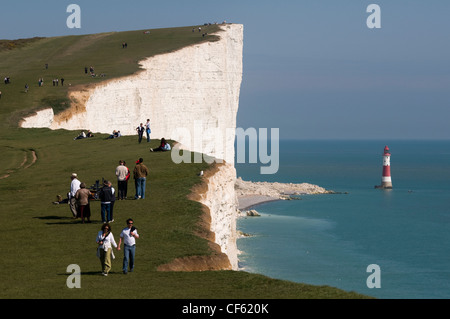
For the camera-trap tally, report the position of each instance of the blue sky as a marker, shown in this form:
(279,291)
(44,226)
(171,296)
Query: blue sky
(312,68)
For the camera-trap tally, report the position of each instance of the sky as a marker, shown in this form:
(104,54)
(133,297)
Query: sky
(312,68)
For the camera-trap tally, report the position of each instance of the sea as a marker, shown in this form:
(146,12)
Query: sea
(389,244)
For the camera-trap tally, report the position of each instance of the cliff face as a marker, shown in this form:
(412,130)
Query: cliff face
(191,96)
(220,197)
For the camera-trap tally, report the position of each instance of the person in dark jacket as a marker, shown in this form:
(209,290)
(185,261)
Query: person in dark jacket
(106,196)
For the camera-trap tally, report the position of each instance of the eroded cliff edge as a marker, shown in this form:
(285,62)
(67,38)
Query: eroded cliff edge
(191,96)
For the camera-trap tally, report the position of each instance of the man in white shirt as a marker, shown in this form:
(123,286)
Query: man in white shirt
(74,186)
(129,235)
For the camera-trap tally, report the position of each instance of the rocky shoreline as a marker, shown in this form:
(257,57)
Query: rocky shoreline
(254,193)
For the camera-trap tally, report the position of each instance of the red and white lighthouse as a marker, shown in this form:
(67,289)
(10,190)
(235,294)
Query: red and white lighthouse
(386,181)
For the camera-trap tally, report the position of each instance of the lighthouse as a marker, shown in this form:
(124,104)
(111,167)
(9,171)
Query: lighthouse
(386,181)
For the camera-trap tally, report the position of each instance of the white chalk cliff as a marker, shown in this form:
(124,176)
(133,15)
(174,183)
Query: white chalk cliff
(191,96)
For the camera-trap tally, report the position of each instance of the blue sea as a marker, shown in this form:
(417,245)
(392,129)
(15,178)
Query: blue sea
(331,239)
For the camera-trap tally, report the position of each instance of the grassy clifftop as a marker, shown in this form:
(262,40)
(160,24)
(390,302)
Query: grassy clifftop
(24,61)
(39,240)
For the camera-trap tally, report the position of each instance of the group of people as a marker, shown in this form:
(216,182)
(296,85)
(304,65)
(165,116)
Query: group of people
(79,198)
(141,129)
(106,242)
(164,145)
(55,82)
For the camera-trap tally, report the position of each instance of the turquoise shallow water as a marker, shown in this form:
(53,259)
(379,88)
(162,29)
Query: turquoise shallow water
(332,239)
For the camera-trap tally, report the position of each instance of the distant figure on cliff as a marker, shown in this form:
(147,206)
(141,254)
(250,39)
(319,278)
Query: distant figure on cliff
(148,130)
(140,129)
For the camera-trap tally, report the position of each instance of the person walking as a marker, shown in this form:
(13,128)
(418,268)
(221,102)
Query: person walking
(83,195)
(129,235)
(148,130)
(74,187)
(140,129)
(111,205)
(105,241)
(106,196)
(122,173)
(140,173)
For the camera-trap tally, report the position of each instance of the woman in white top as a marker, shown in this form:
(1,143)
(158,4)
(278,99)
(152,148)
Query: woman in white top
(105,241)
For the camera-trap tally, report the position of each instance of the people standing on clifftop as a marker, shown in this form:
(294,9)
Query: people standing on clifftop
(140,173)
(126,181)
(129,235)
(105,241)
(122,173)
(74,187)
(140,129)
(106,196)
(148,130)
(113,200)
(83,195)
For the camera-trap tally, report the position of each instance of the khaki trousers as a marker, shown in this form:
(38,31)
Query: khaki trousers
(105,260)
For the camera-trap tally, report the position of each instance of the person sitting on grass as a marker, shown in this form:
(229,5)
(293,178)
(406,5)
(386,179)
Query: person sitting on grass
(164,146)
(115,134)
(81,136)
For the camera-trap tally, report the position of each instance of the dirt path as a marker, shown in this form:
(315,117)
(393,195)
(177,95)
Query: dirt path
(24,164)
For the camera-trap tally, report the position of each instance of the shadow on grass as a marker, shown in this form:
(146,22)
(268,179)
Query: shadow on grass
(93,273)
(63,220)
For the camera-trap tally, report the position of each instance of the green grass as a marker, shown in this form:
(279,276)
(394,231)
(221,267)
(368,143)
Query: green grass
(39,240)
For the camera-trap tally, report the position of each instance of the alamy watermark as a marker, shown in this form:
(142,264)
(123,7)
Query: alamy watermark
(374,280)
(374,19)
(74,279)
(74,19)
(213,144)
